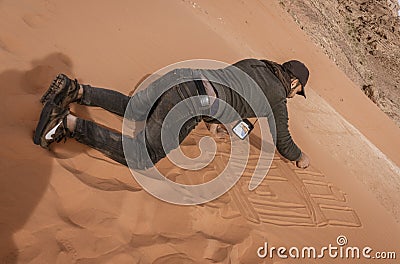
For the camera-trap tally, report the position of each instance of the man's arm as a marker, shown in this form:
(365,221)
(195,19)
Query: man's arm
(284,142)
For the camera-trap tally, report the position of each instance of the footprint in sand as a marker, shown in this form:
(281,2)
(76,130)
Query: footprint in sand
(174,258)
(33,20)
(4,46)
(66,246)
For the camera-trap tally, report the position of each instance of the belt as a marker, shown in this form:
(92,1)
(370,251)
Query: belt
(204,98)
(207,96)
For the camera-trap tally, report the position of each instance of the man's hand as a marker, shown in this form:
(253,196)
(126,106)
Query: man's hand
(303,162)
(218,130)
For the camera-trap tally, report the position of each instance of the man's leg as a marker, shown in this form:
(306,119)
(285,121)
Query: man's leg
(158,149)
(140,104)
(110,143)
(107,141)
(107,99)
(63,91)
(53,124)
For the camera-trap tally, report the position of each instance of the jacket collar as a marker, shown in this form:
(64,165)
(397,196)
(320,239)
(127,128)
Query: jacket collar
(280,73)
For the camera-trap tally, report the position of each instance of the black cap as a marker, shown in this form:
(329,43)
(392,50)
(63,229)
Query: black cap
(300,71)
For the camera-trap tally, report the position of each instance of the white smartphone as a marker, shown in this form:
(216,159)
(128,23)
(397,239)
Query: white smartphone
(243,128)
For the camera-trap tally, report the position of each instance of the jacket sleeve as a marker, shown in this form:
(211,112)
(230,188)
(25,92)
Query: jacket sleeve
(284,142)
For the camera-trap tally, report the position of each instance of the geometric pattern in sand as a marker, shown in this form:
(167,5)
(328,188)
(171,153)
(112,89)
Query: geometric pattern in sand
(288,197)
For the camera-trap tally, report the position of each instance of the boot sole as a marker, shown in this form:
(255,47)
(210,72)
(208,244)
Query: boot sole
(44,119)
(55,87)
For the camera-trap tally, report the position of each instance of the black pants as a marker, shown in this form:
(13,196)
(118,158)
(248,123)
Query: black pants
(109,141)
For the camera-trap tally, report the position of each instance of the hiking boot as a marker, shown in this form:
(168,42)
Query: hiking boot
(52,125)
(62,91)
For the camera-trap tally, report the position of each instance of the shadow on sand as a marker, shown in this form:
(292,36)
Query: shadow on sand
(25,167)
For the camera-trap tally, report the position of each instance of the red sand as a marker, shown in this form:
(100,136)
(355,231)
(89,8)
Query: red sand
(73,205)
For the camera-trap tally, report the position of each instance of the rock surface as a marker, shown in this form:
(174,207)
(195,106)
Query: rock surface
(363,38)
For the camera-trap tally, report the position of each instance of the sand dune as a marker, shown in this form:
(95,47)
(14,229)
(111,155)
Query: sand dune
(73,205)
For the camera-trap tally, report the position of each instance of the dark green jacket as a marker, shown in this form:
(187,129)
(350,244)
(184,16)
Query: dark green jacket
(271,86)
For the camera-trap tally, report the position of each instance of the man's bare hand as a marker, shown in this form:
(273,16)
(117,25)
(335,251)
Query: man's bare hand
(303,162)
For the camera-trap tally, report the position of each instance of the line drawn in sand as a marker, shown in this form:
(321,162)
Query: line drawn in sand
(286,197)
(289,197)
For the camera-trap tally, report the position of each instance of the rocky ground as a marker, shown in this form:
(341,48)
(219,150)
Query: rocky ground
(363,38)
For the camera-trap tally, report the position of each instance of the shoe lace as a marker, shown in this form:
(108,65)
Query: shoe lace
(62,131)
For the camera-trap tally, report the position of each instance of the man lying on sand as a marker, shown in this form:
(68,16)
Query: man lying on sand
(277,82)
